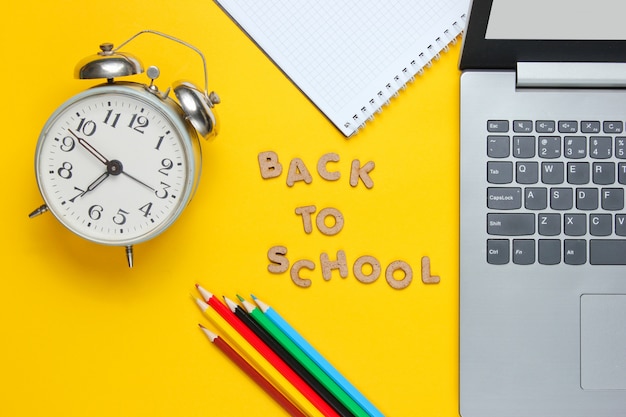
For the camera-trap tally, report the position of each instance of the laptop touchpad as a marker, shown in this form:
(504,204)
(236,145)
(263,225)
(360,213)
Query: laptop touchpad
(603,341)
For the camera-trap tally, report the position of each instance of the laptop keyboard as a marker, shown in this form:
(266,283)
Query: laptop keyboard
(555,192)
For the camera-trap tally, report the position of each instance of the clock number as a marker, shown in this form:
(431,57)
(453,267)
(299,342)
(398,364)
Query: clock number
(120,217)
(95,212)
(163,193)
(145,209)
(113,121)
(65,171)
(67,144)
(87,127)
(138,123)
(158,146)
(82,193)
(167,165)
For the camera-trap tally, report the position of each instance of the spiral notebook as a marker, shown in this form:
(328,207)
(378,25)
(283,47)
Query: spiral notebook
(350,57)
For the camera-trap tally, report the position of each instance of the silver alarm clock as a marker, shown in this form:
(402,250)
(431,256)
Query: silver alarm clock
(117,164)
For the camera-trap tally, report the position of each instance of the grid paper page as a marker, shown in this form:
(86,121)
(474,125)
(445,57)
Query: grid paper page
(349,57)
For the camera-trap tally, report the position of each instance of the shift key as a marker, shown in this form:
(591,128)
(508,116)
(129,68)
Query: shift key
(510,224)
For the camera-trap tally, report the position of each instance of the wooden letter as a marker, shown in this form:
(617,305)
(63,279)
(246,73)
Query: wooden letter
(362,173)
(279,262)
(321,167)
(357,269)
(298,172)
(320,220)
(306,212)
(295,272)
(269,165)
(399,284)
(328,265)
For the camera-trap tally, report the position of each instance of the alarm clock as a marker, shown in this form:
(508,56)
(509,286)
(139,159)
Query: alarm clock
(117,164)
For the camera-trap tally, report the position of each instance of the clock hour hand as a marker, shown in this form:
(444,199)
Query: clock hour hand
(94,184)
(90,148)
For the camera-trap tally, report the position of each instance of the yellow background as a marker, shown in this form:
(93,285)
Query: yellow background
(84,335)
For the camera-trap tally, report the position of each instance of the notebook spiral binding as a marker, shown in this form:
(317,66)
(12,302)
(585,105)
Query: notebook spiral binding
(407,75)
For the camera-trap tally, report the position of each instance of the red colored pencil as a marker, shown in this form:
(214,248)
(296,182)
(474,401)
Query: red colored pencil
(268,353)
(252,373)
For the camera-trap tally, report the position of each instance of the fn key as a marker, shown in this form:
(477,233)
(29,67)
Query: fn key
(607,252)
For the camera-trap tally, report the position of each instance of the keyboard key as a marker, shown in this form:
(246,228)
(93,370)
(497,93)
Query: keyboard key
(613,127)
(620,224)
(499,172)
(549,224)
(523,146)
(549,147)
(498,251)
(575,252)
(603,173)
(522,126)
(600,147)
(545,126)
(510,224)
(575,147)
(578,173)
(620,147)
(549,251)
(535,198)
(607,252)
(590,127)
(568,126)
(527,172)
(498,126)
(575,224)
(612,199)
(504,198)
(600,224)
(498,146)
(524,251)
(621,173)
(587,198)
(561,198)
(552,172)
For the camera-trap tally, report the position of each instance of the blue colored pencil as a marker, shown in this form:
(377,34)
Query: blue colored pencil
(318,358)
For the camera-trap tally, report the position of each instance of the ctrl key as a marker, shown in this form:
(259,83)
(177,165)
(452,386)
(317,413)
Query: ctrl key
(498,251)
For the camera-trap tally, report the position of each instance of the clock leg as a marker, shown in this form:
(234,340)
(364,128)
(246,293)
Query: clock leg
(39,210)
(129,255)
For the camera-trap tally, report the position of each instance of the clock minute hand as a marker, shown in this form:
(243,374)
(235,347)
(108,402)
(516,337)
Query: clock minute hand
(90,148)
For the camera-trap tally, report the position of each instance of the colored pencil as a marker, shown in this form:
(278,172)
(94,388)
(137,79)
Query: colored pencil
(307,362)
(312,353)
(238,360)
(259,362)
(288,358)
(267,353)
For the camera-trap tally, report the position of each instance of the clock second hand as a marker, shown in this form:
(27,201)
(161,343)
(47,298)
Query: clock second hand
(108,163)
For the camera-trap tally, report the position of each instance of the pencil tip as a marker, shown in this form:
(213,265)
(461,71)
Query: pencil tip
(205,294)
(240,297)
(230,303)
(253,297)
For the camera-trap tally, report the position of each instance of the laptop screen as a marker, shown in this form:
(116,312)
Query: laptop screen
(501,33)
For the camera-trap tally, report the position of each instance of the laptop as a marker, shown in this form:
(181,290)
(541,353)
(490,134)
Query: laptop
(542,209)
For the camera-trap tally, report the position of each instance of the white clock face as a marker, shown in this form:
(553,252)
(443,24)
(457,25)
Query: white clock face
(114,167)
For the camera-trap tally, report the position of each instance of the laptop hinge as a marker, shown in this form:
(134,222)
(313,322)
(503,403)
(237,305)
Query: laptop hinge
(571,74)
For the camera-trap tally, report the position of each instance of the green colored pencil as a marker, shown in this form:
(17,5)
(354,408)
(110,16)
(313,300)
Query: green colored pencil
(258,316)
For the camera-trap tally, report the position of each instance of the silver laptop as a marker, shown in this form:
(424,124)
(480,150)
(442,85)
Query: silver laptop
(543,213)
